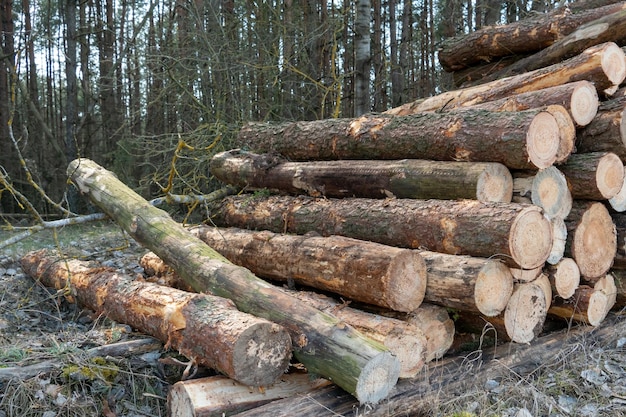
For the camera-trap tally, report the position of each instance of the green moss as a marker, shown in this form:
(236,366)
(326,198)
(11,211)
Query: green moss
(96,369)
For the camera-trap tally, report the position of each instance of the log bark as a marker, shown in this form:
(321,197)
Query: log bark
(361,366)
(594,176)
(360,270)
(217,395)
(564,277)
(525,313)
(607,131)
(407,178)
(620,288)
(588,305)
(591,238)
(520,140)
(518,233)
(607,28)
(601,64)
(208,330)
(522,37)
(619,219)
(580,99)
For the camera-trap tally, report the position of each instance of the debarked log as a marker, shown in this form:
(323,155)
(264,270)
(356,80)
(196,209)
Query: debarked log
(324,344)
(520,140)
(407,178)
(518,234)
(207,329)
(360,270)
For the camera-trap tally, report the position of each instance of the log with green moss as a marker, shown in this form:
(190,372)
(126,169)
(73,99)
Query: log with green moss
(324,344)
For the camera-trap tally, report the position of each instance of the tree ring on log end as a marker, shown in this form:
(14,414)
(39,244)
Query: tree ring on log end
(559,240)
(614,64)
(495,183)
(566,278)
(530,238)
(610,175)
(551,193)
(526,312)
(407,274)
(377,378)
(542,140)
(566,131)
(493,288)
(597,308)
(584,104)
(595,242)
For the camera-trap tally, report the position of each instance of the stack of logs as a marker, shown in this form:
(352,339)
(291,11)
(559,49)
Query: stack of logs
(502,202)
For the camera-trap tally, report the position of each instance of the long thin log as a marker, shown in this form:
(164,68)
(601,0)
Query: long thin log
(360,270)
(323,343)
(518,38)
(218,396)
(594,176)
(591,238)
(207,329)
(520,140)
(602,65)
(519,234)
(407,178)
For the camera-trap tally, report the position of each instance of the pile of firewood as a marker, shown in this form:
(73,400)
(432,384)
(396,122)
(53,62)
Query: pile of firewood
(502,202)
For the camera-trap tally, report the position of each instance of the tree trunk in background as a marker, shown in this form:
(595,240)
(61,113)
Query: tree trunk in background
(362,39)
(6,67)
(71,107)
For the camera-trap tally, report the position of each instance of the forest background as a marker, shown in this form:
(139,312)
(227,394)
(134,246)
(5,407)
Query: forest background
(151,89)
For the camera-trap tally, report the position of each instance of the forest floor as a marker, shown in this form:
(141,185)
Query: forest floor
(46,369)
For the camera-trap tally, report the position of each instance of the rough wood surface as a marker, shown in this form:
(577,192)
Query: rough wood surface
(518,38)
(550,191)
(594,175)
(619,219)
(593,65)
(357,269)
(579,98)
(607,131)
(324,344)
(564,277)
(518,234)
(525,313)
(559,240)
(618,201)
(208,330)
(620,288)
(591,238)
(588,305)
(218,395)
(521,140)
(407,178)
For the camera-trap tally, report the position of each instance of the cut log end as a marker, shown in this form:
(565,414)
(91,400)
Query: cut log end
(495,183)
(264,348)
(594,242)
(377,378)
(407,281)
(614,64)
(493,288)
(542,140)
(610,175)
(618,201)
(566,132)
(597,309)
(550,192)
(526,312)
(559,240)
(584,104)
(530,239)
(565,277)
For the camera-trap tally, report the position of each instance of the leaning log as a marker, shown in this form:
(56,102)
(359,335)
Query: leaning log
(207,329)
(518,233)
(323,343)
(360,270)
(591,238)
(518,38)
(603,65)
(407,178)
(607,131)
(520,140)
(594,175)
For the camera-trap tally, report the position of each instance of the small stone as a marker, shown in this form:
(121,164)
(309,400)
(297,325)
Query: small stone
(11,272)
(522,412)
(491,384)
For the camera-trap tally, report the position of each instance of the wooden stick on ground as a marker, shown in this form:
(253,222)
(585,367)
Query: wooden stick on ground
(323,343)
(208,330)
(407,178)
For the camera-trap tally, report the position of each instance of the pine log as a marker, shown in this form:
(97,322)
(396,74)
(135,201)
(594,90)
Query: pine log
(518,233)
(160,273)
(564,277)
(618,201)
(521,37)
(208,330)
(467,283)
(608,28)
(607,131)
(591,238)
(543,282)
(620,288)
(520,140)
(588,305)
(473,75)
(580,99)
(603,65)
(525,313)
(218,395)
(360,270)
(619,219)
(408,178)
(325,345)
(547,188)
(559,240)
(526,275)
(594,176)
